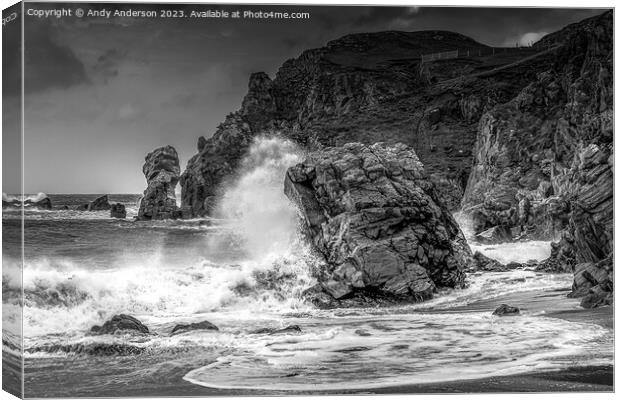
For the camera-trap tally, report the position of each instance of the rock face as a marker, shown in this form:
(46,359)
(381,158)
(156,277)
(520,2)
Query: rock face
(497,234)
(161,169)
(119,324)
(118,211)
(378,220)
(368,88)
(544,160)
(99,204)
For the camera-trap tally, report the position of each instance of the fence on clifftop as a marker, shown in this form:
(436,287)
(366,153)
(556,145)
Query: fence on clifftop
(444,55)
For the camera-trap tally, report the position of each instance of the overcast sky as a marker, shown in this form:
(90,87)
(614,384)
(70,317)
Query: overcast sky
(102,93)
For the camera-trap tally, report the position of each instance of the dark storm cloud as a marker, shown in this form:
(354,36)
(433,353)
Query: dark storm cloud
(11,55)
(108,63)
(155,82)
(48,64)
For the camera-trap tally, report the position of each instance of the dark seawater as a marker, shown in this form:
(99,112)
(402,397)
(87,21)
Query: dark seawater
(244,270)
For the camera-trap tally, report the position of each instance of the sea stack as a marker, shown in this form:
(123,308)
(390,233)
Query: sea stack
(376,217)
(161,169)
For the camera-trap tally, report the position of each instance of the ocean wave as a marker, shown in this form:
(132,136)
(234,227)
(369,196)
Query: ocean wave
(63,297)
(395,349)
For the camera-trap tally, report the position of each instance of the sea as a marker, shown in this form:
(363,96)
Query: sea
(245,269)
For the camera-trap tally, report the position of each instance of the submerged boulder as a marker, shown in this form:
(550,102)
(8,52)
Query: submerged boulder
(194,326)
(162,170)
(377,218)
(118,324)
(505,310)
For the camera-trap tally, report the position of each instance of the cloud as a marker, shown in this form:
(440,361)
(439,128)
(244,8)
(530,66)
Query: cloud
(107,65)
(531,37)
(11,60)
(49,65)
(128,113)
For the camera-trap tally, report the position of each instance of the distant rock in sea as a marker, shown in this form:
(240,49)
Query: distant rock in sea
(161,169)
(99,204)
(40,201)
(379,222)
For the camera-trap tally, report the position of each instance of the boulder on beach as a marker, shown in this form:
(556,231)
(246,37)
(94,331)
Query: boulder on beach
(161,169)
(594,283)
(194,326)
(377,219)
(99,204)
(118,211)
(505,310)
(119,324)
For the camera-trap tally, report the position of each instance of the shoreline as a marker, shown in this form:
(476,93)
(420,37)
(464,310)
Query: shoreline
(552,304)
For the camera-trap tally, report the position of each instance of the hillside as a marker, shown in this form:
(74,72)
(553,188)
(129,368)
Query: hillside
(371,87)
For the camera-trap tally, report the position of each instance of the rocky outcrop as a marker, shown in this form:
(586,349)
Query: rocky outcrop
(376,217)
(99,204)
(119,324)
(118,211)
(594,283)
(368,88)
(486,264)
(497,234)
(161,169)
(544,160)
(40,201)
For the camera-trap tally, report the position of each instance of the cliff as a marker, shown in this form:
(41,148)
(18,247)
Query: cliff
(521,139)
(368,88)
(544,160)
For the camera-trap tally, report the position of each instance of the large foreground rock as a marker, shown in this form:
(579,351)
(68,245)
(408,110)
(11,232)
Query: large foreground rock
(377,218)
(161,169)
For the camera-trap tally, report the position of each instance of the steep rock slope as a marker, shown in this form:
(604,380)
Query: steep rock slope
(368,88)
(544,160)
(545,155)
